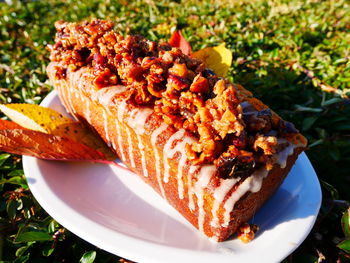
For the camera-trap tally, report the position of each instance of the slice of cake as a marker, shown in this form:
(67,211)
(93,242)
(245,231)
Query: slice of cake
(207,146)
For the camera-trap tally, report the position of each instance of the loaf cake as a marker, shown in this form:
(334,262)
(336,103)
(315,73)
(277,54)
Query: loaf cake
(206,145)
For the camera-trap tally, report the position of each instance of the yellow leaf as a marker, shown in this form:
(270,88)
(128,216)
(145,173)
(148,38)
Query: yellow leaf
(46,120)
(217,58)
(35,117)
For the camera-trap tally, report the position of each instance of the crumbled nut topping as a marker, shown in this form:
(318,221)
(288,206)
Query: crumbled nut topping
(234,135)
(246,232)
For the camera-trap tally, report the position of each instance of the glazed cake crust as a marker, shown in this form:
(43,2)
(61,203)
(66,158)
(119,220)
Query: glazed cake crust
(156,152)
(206,145)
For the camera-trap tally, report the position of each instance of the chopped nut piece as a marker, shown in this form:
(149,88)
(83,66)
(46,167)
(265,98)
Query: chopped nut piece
(246,232)
(200,84)
(266,143)
(179,70)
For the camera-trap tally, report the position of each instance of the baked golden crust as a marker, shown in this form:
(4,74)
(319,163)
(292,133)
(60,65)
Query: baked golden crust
(156,152)
(210,148)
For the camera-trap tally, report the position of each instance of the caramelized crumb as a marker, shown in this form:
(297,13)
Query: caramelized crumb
(181,90)
(246,232)
(267,144)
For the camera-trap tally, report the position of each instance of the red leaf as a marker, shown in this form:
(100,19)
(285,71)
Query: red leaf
(46,120)
(22,141)
(5,125)
(178,40)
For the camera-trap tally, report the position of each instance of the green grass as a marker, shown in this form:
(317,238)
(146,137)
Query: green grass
(294,55)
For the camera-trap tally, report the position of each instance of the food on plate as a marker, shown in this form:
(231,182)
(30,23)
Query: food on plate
(206,145)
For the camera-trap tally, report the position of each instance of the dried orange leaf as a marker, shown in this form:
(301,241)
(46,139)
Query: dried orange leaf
(179,41)
(46,120)
(35,117)
(78,132)
(218,58)
(45,146)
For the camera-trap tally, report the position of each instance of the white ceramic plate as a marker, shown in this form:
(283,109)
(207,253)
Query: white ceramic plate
(113,209)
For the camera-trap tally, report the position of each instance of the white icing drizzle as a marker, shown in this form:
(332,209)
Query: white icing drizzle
(113,144)
(191,170)
(105,125)
(138,118)
(120,115)
(106,95)
(180,167)
(121,111)
(170,152)
(245,104)
(84,99)
(85,102)
(142,151)
(87,112)
(219,196)
(80,79)
(69,97)
(131,154)
(204,176)
(283,155)
(176,136)
(154,138)
(71,104)
(137,121)
(119,140)
(252,183)
(214,239)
